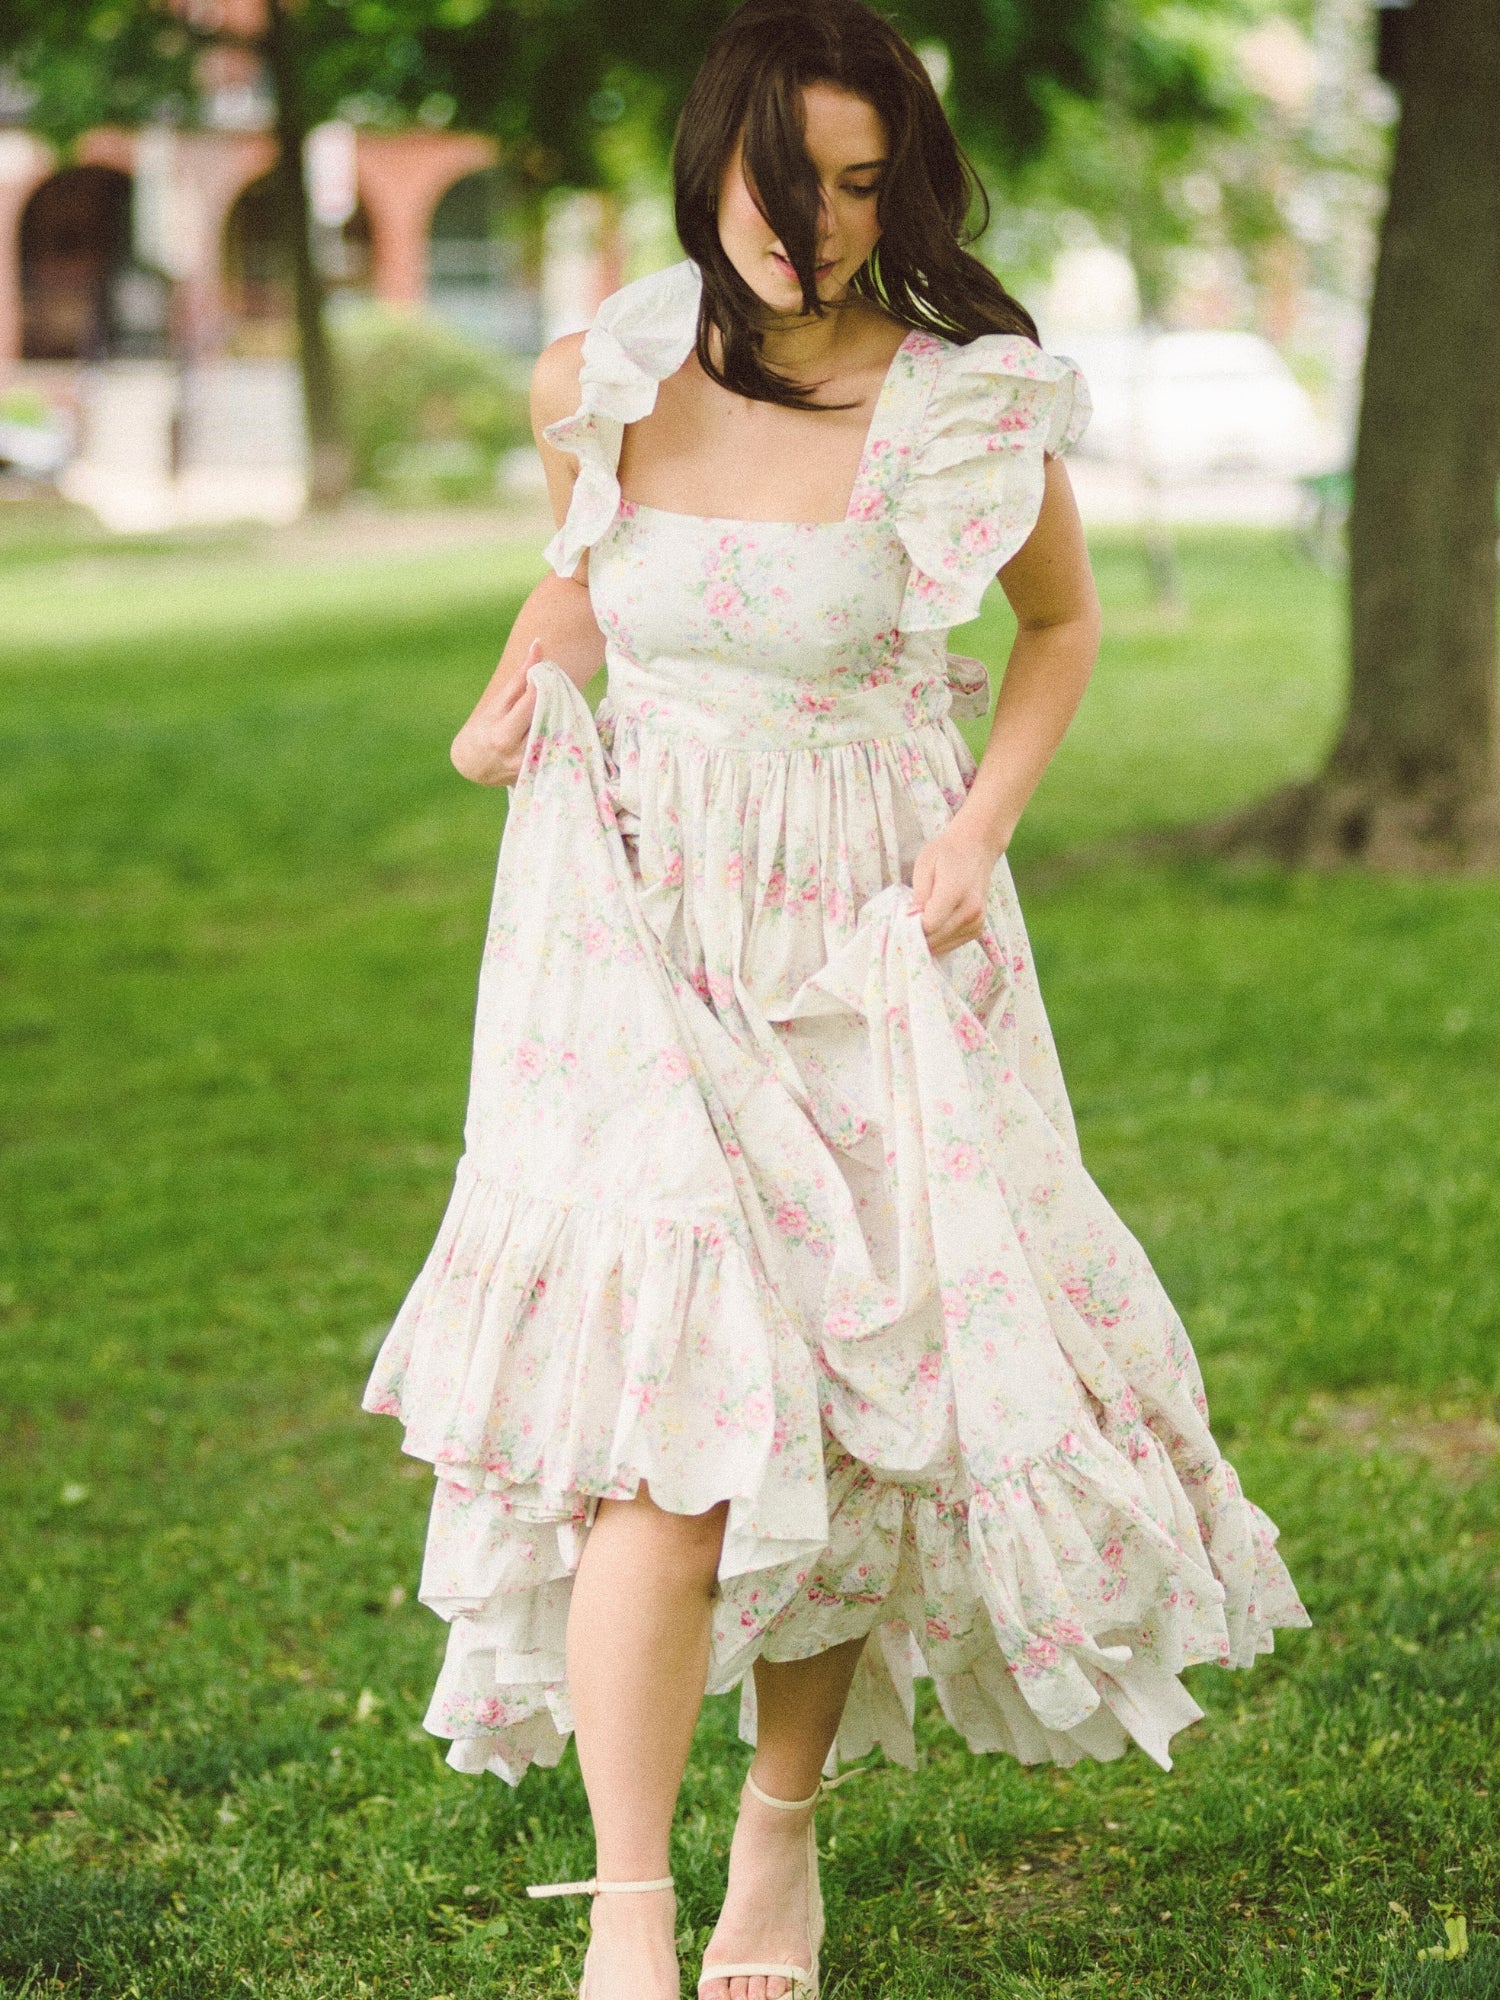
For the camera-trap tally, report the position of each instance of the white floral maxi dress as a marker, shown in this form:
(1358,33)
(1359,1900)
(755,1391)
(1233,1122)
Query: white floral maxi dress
(760,1202)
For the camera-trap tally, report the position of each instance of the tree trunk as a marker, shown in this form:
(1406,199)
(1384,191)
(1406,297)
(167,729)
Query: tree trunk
(1414,779)
(329,453)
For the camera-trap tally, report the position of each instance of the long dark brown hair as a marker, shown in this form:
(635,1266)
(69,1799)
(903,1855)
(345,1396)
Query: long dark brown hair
(931,202)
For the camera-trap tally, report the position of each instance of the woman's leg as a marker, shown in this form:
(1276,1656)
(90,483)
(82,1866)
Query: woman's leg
(765,1918)
(638,1633)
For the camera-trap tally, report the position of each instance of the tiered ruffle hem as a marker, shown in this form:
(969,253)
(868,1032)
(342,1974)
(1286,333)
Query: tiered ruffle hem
(762,1204)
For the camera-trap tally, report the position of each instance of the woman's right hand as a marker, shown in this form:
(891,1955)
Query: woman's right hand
(489,748)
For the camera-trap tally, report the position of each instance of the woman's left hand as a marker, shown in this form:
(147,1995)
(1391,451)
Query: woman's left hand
(950,886)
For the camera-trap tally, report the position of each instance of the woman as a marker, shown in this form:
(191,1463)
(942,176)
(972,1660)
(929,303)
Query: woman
(774,1309)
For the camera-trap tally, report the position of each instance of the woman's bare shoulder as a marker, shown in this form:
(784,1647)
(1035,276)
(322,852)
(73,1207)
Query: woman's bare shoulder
(554,381)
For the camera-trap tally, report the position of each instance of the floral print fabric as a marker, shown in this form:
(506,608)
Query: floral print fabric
(762,1204)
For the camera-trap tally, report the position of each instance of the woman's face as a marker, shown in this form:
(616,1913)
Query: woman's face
(845,139)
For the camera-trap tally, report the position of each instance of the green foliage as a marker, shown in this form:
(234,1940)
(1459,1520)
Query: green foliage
(546,77)
(1103,105)
(427,412)
(96,62)
(242,897)
(26,407)
(1171,115)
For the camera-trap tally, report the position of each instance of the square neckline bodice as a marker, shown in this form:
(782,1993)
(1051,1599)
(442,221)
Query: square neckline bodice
(952,473)
(876,433)
(774,636)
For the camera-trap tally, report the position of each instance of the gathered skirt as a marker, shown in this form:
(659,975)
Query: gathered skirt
(762,1204)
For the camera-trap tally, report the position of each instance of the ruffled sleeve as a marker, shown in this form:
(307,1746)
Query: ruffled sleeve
(640,335)
(974,487)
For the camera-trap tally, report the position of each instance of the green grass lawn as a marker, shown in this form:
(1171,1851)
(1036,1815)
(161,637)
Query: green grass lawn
(243,898)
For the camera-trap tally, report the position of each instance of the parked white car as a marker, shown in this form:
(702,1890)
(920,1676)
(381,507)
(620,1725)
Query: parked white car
(1198,405)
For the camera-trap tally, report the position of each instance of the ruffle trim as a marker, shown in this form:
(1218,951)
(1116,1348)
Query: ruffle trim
(1054,1572)
(974,487)
(1053,1617)
(564,1355)
(640,335)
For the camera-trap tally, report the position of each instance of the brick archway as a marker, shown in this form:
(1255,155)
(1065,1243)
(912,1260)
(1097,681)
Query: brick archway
(220,166)
(74,242)
(402,177)
(24,164)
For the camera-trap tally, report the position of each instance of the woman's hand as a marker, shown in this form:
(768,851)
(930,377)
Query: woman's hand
(489,748)
(950,885)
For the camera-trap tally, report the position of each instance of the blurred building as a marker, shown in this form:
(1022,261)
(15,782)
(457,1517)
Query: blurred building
(159,243)
(145,294)
(1219,311)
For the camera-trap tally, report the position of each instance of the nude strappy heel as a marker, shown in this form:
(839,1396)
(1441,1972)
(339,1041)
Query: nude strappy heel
(594,1887)
(803,1979)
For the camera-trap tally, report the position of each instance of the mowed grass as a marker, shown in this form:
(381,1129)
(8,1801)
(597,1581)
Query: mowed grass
(243,900)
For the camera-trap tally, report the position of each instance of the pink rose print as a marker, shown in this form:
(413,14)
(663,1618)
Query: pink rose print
(969,1030)
(1079,1294)
(673,1067)
(792,1219)
(770,751)
(1084,1300)
(1040,1654)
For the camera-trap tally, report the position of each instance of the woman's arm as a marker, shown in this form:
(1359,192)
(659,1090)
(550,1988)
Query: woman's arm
(556,621)
(1051,590)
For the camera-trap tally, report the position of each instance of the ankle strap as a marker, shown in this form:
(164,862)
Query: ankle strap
(594,1887)
(801,1805)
